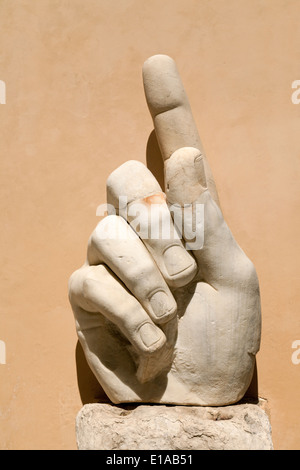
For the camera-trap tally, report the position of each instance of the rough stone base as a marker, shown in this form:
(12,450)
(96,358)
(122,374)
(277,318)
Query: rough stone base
(159,427)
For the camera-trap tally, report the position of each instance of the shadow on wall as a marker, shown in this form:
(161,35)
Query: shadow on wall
(155,160)
(89,388)
(252,392)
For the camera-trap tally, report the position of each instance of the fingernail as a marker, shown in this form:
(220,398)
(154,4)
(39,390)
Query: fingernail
(150,334)
(162,304)
(200,170)
(177,260)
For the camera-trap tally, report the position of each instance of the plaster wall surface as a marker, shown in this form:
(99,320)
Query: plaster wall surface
(74,111)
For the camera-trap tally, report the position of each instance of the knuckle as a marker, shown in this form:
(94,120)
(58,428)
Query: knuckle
(88,286)
(141,271)
(248,274)
(74,287)
(73,281)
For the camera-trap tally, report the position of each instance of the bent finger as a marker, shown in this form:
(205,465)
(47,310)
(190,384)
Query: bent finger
(94,290)
(118,246)
(147,212)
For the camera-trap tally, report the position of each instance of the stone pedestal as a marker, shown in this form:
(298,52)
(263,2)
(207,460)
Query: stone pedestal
(159,427)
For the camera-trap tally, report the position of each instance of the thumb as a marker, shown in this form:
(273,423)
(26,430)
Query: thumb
(196,215)
(185,178)
(185,183)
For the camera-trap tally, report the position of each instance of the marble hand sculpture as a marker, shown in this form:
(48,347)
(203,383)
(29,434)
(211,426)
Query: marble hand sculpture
(172,318)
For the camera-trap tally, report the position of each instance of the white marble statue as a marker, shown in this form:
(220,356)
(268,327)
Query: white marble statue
(167,305)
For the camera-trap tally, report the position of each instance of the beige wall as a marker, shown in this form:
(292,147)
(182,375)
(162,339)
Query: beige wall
(74,111)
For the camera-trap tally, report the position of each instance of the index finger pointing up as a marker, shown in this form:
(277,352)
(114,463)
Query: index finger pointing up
(169,106)
(171,112)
